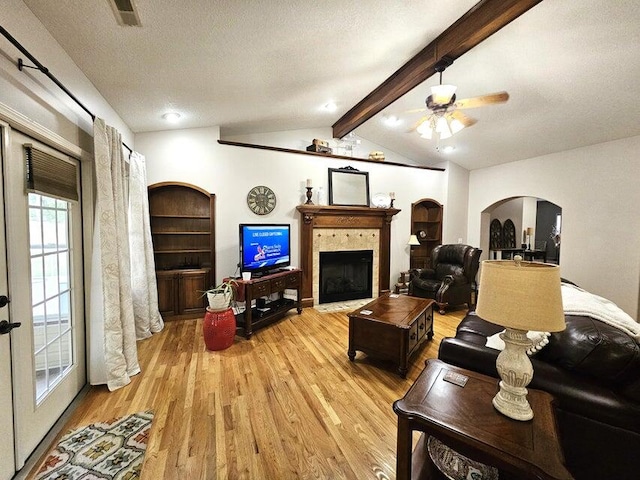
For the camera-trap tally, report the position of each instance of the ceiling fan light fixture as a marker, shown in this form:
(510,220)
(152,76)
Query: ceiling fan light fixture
(423,128)
(445,135)
(442,94)
(428,134)
(455,125)
(442,126)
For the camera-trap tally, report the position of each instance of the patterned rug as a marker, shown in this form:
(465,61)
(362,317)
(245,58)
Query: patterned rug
(341,306)
(112,450)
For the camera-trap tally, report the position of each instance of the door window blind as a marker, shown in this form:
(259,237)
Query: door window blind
(50,175)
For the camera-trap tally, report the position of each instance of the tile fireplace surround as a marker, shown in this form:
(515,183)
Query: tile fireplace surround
(334,228)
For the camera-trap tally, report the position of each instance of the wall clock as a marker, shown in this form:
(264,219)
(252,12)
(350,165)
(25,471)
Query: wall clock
(261,200)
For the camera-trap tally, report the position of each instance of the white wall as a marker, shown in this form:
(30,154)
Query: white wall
(455,208)
(529,212)
(194,156)
(34,95)
(597,189)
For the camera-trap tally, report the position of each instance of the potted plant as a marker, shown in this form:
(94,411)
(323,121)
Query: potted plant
(219,323)
(221,296)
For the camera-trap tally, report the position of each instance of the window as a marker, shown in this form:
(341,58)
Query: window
(50,290)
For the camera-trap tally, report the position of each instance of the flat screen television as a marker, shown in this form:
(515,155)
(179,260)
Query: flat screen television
(264,247)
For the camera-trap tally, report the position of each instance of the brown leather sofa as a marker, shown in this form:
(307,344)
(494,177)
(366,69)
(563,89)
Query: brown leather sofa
(593,371)
(451,280)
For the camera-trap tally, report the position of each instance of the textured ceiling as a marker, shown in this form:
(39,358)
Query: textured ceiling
(571,69)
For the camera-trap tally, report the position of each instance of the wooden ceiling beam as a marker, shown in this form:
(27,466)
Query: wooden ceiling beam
(484,19)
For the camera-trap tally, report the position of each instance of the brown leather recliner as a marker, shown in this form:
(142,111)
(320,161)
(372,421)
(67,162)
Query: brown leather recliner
(451,280)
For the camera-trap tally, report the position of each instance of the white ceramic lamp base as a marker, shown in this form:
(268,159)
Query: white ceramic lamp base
(516,371)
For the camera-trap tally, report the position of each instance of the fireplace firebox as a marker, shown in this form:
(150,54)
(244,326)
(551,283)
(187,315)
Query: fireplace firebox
(345,275)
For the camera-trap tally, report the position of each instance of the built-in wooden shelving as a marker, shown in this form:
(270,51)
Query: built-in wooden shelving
(183,231)
(426,225)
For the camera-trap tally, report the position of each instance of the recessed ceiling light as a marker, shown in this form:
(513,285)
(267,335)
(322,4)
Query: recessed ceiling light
(391,121)
(172,117)
(330,107)
(447,149)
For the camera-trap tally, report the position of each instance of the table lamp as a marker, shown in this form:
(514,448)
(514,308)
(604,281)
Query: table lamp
(529,238)
(413,240)
(519,296)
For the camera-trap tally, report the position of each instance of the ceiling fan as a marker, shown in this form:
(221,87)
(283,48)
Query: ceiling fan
(444,116)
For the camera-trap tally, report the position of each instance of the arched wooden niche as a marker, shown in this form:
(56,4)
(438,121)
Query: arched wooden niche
(508,234)
(495,234)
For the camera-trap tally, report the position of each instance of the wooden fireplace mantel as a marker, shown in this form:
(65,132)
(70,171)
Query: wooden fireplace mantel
(336,216)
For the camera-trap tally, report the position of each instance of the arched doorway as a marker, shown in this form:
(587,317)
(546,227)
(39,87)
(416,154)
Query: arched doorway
(537,224)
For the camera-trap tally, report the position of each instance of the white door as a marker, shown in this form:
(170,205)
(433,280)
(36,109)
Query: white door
(44,256)
(7,463)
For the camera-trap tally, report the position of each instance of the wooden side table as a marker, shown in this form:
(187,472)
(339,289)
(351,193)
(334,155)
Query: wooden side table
(402,287)
(464,419)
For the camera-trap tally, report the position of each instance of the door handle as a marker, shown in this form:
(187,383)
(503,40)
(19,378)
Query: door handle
(6,327)
(3,301)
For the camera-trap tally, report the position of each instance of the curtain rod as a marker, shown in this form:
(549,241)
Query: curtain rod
(39,66)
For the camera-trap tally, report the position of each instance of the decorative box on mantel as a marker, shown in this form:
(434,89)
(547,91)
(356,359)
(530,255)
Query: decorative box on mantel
(333,217)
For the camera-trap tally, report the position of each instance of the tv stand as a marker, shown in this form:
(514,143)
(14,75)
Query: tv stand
(257,317)
(257,275)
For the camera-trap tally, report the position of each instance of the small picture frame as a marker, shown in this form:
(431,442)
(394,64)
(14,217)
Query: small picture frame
(348,187)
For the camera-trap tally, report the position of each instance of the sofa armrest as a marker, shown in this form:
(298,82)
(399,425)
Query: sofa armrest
(468,355)
(572,391)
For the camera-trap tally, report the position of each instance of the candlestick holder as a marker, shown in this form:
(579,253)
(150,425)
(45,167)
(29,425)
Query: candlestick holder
(309,195)
(392,200)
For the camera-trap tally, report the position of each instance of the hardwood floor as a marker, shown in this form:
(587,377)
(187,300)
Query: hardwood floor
(286,404)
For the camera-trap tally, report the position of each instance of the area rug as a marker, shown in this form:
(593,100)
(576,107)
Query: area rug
(455,466)
(112,450)
(341,306)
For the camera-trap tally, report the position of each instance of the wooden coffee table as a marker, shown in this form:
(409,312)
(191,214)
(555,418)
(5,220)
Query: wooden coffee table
(391,327)
(463,418)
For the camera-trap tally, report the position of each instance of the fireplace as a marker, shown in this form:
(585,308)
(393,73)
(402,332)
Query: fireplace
(332,228)
(345,275)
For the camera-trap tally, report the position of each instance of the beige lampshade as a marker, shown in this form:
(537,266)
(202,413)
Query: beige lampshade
(529,230)
(521,295)
(413,240)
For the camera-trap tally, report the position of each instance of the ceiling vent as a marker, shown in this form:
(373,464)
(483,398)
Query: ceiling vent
(125,12)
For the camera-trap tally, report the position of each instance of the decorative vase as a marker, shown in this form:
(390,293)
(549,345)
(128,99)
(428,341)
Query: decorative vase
(219,301)
(219,328)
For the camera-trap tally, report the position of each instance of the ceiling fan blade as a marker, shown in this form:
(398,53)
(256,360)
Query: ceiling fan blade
(466,120)
(416,110)
(490,99)
(417,124)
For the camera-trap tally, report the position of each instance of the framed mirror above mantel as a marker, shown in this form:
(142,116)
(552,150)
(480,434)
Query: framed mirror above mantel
(348,186)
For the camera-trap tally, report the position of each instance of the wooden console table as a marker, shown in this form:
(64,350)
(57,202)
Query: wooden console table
(257,317)
(507,253)
(464,419)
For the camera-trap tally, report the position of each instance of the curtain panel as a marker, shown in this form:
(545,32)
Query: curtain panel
(113,357)
(143,270)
